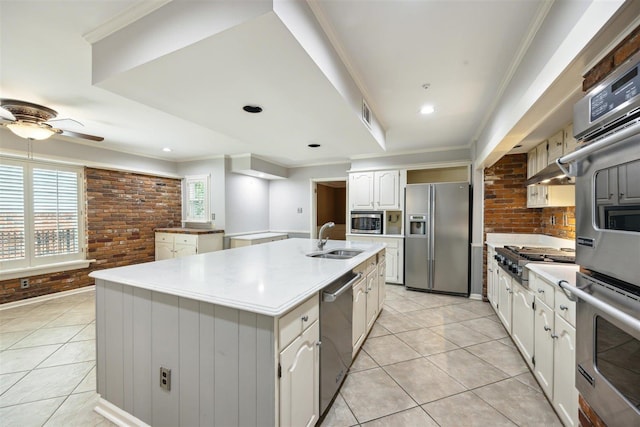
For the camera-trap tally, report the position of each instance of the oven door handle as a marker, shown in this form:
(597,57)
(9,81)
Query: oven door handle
(583,152)
(616,314)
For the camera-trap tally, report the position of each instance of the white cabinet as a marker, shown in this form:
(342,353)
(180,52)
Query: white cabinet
(373,305)
(522,321)
(555,147)
(543,196)
(255,239)
(394,258)
(565,394)
(299,369)
(378,190)
(532,166)
(504,299)
(176,245)
(382,289)
(366,300)
(543,345)
(359,315)
(492,278)
(541,156)
(570,143)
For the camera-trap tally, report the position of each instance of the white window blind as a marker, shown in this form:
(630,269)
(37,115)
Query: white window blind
(197,198)
(40,214)
(12,223)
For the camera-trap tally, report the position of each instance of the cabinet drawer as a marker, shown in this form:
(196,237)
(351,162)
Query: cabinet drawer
(382,256)
(371,264)
(297,320)
(164,237)
(543,290)
(186,239)
(565,308)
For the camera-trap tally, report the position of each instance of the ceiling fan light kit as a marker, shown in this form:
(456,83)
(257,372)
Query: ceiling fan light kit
(33,131)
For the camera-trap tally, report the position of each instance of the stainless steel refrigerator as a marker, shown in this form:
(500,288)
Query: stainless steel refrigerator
(436,244)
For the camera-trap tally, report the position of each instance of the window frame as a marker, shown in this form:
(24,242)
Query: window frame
(206,179)
(31,262)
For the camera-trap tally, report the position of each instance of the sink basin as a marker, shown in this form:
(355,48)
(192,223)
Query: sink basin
(336,254)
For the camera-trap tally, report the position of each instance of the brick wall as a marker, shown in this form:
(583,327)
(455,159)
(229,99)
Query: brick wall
(560,229)
(122,210)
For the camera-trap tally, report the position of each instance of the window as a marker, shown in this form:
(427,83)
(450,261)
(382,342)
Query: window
(40,214)
(197,198)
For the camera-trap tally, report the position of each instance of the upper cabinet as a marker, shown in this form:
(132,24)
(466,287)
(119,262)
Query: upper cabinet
(570,143)
(374,190)
(555,147)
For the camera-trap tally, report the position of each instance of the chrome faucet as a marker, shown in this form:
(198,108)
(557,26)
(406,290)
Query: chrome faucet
(321,241)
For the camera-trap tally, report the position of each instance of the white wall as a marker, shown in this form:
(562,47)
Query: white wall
(216,168)
(288,195)
(247,204)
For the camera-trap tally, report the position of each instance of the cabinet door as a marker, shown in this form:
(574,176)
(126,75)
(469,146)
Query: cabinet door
(372,297)
(556,146)
(382,287)
(392,267)
(299,384)
(565,395)
(361,190)
(181,250)
(522,321)
(570,143)
(543,345)
(387,190)
(532,196)
(531,163)
(359,327)
(504,299)
(606,186)
(629,182)
(164,250)
(541,155)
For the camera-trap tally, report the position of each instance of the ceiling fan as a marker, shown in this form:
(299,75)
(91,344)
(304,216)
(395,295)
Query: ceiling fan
(35,122)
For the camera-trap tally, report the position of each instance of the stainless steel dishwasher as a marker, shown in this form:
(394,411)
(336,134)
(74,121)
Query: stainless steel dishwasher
(336,308)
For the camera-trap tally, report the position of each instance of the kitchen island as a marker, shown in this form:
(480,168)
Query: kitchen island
(218,324)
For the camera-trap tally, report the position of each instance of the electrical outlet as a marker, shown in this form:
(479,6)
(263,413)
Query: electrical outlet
(552,220)
(165,378)
(299,210)
(24,283)
(565,219)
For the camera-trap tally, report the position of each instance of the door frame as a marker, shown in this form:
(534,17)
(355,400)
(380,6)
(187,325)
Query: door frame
(313,184)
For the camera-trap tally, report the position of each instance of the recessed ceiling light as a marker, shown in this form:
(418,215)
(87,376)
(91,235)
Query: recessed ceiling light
(427,109)
(166,149)
(518,146)
(426,86)
(254,109)
(313,145)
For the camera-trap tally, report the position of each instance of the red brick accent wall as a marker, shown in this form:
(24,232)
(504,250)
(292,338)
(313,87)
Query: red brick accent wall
(560,229)
(122,210)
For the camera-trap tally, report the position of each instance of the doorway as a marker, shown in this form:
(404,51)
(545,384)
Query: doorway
(329,204)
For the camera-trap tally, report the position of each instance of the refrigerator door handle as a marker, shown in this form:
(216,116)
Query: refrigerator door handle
(432,240)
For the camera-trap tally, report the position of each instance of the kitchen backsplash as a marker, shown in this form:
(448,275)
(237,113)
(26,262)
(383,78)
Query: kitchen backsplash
(123,209)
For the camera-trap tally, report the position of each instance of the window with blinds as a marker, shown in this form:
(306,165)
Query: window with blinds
(197,198)
(40,221)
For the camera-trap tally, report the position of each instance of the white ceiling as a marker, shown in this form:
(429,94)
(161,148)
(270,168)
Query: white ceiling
(190,100)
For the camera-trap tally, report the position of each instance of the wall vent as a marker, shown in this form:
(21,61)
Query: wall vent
(366,114)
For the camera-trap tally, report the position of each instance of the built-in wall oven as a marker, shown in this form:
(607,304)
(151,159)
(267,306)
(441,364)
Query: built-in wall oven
(369,222)
(607,171)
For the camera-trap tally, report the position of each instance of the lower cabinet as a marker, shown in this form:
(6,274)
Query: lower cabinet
(543,344)
(394,258)
(565,394)
(367,298)
(382,289)
(492,277)
(522,329)
(177,245)
(299,384)
(359,321)
(504,299)
(372,297)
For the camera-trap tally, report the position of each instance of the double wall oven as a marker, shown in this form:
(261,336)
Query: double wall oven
(607,171)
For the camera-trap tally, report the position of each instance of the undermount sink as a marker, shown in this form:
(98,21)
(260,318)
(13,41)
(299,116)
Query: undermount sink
(336,254)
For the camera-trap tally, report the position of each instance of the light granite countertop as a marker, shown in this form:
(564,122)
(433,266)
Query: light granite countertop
(268,279)
(554,273)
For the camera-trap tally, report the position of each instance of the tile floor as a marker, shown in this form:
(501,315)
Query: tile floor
(430,360)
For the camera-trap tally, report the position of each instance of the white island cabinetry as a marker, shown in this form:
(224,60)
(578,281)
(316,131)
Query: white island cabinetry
(394,254)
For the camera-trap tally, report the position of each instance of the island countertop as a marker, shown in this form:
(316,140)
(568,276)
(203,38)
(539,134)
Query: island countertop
(269,279)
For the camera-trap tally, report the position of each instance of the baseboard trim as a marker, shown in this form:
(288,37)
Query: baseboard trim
(47,297)
(477,297)
(117,415)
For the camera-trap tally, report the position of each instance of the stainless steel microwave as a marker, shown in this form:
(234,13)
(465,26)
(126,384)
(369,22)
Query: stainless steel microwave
(367,222)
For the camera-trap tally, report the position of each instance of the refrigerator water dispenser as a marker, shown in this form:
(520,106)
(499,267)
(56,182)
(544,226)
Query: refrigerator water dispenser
(417,225)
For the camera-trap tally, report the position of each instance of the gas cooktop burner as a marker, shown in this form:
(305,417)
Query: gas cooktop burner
(514,258)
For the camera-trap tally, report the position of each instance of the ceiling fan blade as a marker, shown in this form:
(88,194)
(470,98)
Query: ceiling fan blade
(5,120)
(6,114)
(65,122)
(80,135)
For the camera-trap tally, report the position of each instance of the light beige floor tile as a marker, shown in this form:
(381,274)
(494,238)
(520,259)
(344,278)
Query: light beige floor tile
(7,339)
(528,379)
(479,307)
(503,357)
(426,342)
(69,318)
(339,415)
(414,417)
(362,362)
(88,383)
(404,305)
(460,334)
(378,330)
(456,313)
(430,317)
(78,411)
(46,383)
(23,359)
(373,394)
(388,349)
(507,341)
(486,327)
(16,312)
(29,414)
(24,324)
(423,380)
(519,402)
(467,410)
(50,310)
(72,352)
(397,322)
(7,380)
(466,368)
(47,336)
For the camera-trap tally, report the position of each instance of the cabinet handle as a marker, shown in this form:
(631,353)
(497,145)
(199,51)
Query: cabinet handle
(546,328)
(318,343)
(554,336)
(564,307)
(621,194)
(541,291)
(305,318)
